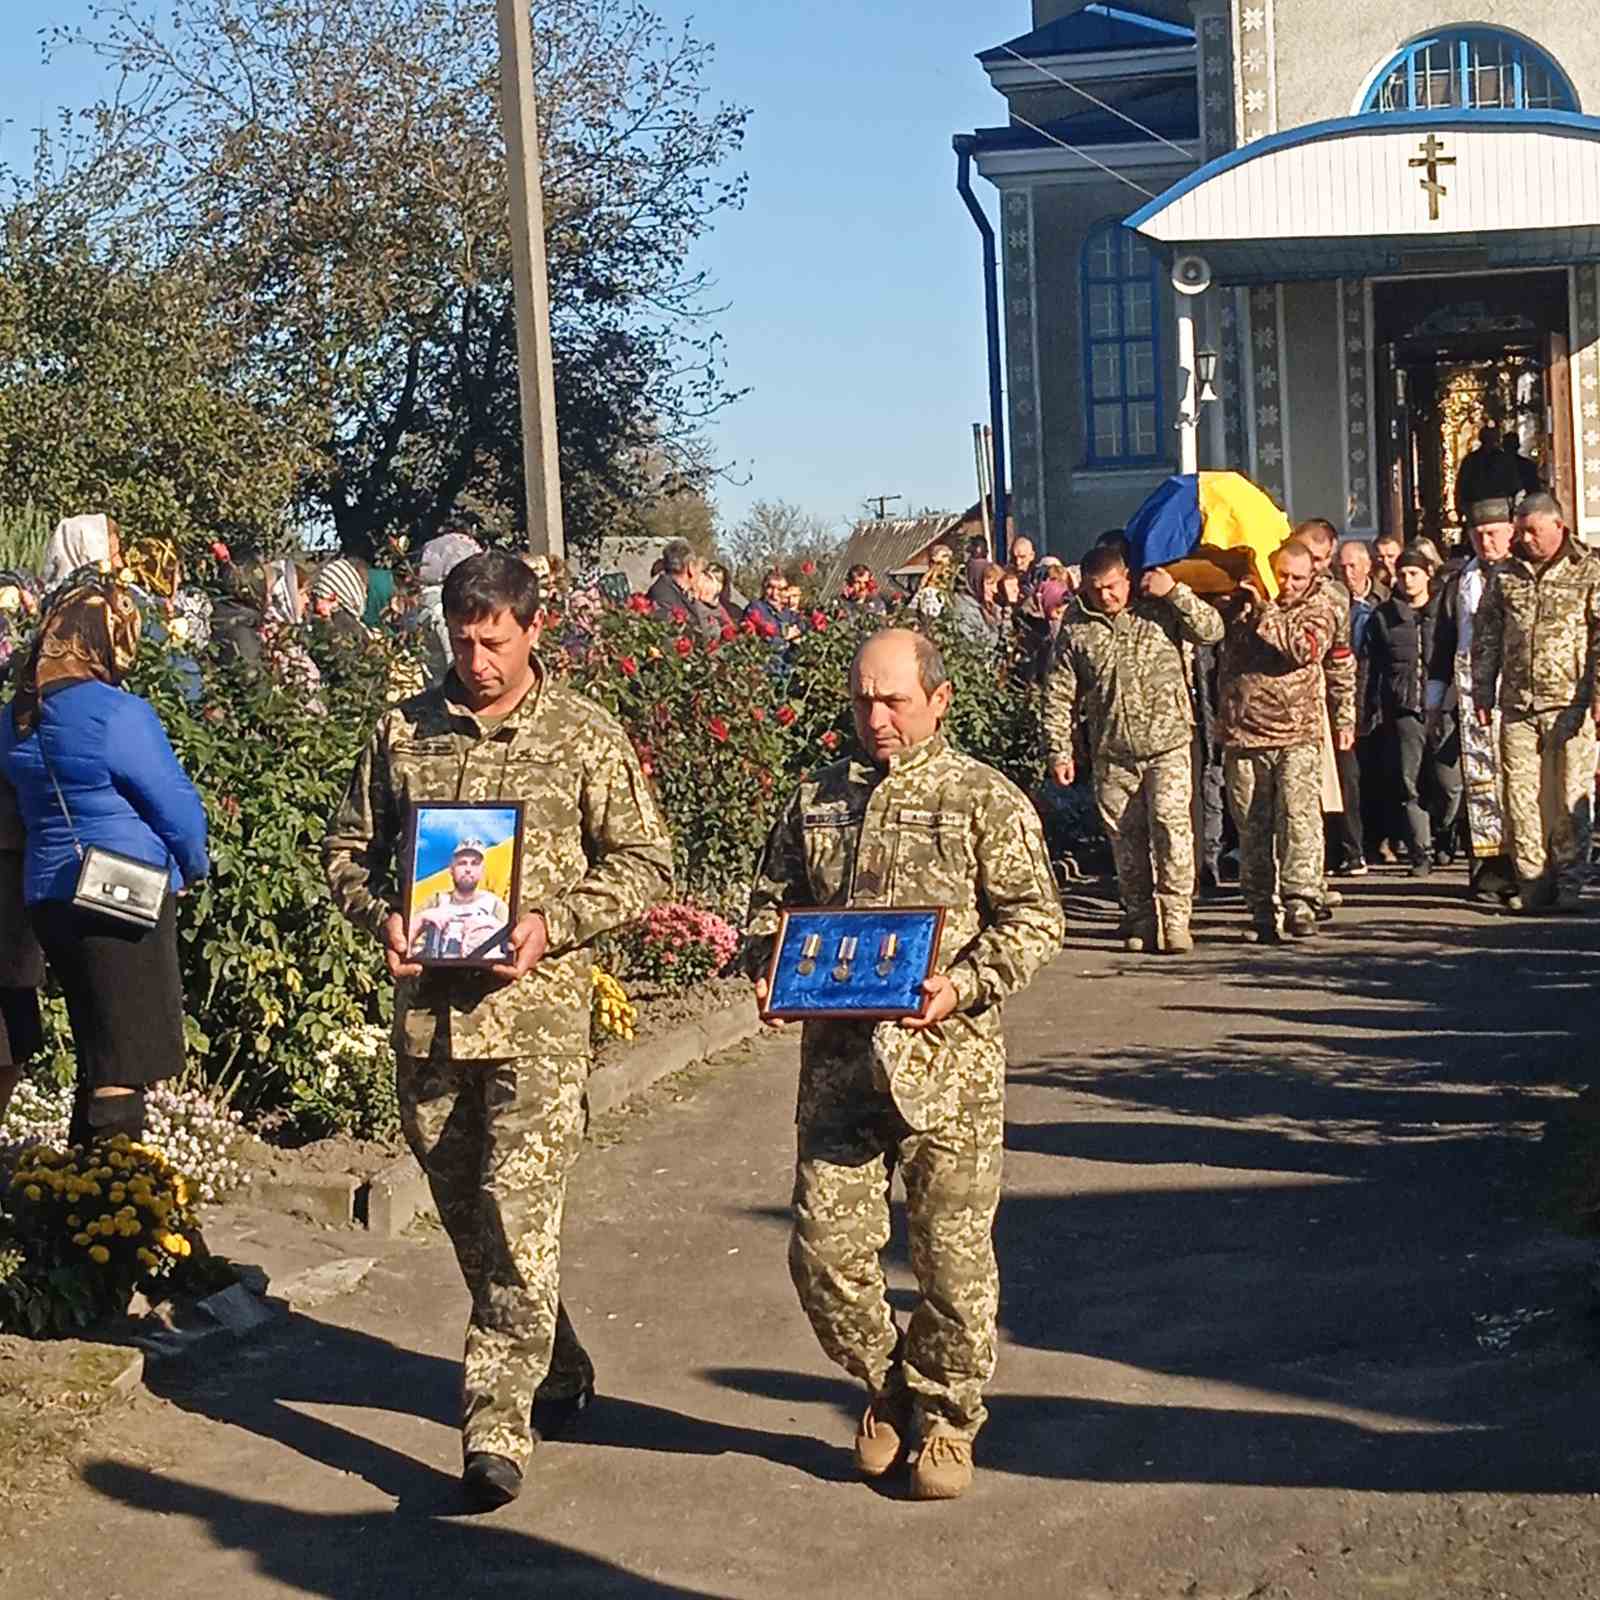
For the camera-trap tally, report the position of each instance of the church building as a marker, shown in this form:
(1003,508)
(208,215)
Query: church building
(1378,220)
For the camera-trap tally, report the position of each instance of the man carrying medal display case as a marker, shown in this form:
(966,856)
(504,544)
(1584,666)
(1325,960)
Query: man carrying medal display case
(492,1062)
(913,824)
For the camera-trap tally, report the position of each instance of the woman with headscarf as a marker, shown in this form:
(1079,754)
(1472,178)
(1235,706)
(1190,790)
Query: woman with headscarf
(977,610)
(339,595)
(92,766)
(440,557)
(78,542)
(938,583)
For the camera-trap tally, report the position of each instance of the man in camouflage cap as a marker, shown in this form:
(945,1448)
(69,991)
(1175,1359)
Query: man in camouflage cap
(1535,649)
(1272,696)
(1119,665)
(492,1063)
(915,824)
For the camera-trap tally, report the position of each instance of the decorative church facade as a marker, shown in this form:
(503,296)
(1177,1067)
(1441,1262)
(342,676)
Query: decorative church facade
(1386,220)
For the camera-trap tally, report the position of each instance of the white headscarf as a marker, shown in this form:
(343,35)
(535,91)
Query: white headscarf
(283,593)
(76,542)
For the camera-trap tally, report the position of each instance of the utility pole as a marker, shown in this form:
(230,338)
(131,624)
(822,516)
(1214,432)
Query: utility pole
(881,501)
(541,464)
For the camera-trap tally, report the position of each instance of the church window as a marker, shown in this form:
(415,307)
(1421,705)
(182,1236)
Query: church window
(1471,69)
(1121,348)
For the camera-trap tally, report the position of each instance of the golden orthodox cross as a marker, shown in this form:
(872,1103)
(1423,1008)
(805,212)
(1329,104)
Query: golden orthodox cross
(1433,157)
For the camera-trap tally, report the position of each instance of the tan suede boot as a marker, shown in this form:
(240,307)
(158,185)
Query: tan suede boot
(880,1438)
(942,1468)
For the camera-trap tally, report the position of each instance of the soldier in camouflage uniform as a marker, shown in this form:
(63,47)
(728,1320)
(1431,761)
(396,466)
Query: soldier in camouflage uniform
(1119,664)
(916,824)
(492,1063)
(1535,647)
(1272,700)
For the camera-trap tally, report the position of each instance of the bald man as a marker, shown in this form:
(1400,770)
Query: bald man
(915,823)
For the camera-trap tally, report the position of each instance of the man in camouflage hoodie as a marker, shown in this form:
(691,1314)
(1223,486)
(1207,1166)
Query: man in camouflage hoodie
(492,1063)
(1535,648)
(1272,704)
(1119,665)
(915,824)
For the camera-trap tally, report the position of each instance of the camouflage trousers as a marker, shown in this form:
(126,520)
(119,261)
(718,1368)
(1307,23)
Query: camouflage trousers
(1147,808)
(848,1153)
(1548,763)
(497,1140)
(1276,800)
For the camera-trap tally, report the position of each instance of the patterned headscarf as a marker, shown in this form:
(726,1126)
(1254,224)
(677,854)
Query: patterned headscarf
(345,581)
(90,631)
(441,556)
(154,566)
(77,542)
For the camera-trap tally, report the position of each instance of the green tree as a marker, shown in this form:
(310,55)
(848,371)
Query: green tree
(340,169)
(776,533)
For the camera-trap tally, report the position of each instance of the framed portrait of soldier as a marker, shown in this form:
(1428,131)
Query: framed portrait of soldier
(461,877)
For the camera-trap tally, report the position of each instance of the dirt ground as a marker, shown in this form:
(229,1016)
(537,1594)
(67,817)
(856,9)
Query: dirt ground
(1281,1319)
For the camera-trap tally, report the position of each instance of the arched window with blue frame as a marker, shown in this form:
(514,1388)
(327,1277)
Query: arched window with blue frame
(1471,69)
(1121,348)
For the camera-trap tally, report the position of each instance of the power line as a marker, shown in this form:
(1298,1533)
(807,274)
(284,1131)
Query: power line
(881,501)
(1133,122)
(1084,155)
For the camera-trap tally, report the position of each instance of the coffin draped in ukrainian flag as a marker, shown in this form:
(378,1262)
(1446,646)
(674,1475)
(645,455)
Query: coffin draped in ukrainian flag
(1210,530)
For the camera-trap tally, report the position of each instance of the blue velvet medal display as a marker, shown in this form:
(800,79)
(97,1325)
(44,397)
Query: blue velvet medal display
(868,963)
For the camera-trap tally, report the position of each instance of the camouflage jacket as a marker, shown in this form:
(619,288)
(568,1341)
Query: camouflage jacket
(1124,676)
(1270,683)
(935,828)
(1340,669)
(1535,635)
(595,855)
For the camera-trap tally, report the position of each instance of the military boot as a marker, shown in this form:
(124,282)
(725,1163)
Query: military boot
(1139,934)
(1300,921)
(942,1468)
(881,1437)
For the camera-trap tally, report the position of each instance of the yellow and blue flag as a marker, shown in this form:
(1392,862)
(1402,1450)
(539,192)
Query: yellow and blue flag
(1211,530)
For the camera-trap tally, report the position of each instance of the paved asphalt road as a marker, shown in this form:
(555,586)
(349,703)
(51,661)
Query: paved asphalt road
(1279,1318)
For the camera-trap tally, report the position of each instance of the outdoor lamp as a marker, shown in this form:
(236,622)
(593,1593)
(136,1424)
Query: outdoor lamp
(1206,362)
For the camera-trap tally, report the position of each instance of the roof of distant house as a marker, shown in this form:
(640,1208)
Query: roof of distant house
(1093,30)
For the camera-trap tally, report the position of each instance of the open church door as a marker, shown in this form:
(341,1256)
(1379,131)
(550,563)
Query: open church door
(1559,450)
(1397,493)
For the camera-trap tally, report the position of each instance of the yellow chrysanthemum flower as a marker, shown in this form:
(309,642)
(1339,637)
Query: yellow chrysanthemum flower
(99,1254)
(33,1192)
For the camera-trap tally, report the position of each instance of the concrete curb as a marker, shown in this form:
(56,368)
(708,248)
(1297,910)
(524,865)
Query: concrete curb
(395,1197)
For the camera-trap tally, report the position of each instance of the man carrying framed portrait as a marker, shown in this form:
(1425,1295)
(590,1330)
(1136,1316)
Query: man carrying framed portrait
(492,999)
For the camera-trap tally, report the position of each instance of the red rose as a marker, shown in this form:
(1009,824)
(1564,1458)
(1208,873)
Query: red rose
(748,627)
(637,602)
(630,667)
(819,621)
(712,646)
(220,550)
(807,568)
(785,716)
(757,714)
(679,615)
(683,644)
(829,740)
(729,633)
(719,730)
(769,630)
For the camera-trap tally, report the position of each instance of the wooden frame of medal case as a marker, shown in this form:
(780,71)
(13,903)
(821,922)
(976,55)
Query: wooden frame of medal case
(408,871)
(849,1014)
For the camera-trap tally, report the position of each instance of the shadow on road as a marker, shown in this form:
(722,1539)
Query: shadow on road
(345,1556)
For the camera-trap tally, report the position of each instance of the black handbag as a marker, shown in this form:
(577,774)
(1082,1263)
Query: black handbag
(113,885)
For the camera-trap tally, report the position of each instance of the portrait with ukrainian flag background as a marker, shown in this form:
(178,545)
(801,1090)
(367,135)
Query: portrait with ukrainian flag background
(1210,530)
(445,835)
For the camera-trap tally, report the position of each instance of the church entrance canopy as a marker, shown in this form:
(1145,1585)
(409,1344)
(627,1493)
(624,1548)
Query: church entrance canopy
(1409,192)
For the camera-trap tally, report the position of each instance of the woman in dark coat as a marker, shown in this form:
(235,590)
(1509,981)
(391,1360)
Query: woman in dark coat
(91,765)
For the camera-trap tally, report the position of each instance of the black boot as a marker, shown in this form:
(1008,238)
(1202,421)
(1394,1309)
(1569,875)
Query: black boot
(490,1481)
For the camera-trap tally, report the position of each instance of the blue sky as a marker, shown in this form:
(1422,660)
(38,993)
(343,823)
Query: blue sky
(855,308)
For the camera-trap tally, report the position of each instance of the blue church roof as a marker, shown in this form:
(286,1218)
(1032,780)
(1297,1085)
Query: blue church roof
(1096,28)
(1171,110)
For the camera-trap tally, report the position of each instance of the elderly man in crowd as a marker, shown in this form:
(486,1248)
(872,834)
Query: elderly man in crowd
(677,588)
(1118,666)
(859,597)
(1272,706)
(1535,651)
(915,823)
(1451,709)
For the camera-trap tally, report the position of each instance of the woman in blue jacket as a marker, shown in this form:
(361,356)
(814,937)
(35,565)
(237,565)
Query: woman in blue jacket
(72,729)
